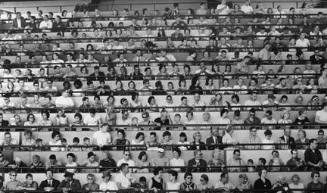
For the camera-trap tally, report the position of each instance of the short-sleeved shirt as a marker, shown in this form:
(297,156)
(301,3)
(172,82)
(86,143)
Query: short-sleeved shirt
(125,181)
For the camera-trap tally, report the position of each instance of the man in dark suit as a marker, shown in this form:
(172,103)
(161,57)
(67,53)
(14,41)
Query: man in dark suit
(197,164)
(3,123)
(69,184)
(215,140)
(50,183)
(19,21)
(97,74)
(316,58)
(287,141)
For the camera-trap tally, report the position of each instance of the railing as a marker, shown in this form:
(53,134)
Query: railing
(239,168)
(188,26)
(210,16)
(139,189)
(147,63)
(188,127)
(155,4)
(166,147)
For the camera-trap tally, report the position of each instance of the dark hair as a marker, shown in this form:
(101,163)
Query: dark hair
(223,111)
(267,132)
(182,134)
(236,151)
(205,177)
(54,134)
(123,165)
(187,174)
(29,175)
(237,113)
(177,150)
(141,154)
(138,134)
(314,172)
(122,132)
(157,170)
(72,155)
(75,139)
(312,140)
(150,99)
(223,175)
(173,173)
(260,171)
(263,160)
(166,133)
(235,96)
(46,113)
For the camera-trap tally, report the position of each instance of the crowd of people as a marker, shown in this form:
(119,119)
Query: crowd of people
(121,71)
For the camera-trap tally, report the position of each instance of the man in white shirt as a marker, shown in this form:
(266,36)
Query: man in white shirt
(124,179)
(224,183)
(236,160)
(198,102)
(268,119)
(321,116)
(302,41)
(262,33)
(102,137)
(222,8)
(252,101)
(264,53)
(247,8)
(46,23)
(64,101)
(126,159)
(92,119)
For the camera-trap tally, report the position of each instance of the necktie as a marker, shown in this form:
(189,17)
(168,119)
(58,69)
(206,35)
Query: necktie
(49,182)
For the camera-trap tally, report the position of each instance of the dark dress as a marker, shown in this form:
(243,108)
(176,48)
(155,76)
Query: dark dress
(156,184)
(263,186)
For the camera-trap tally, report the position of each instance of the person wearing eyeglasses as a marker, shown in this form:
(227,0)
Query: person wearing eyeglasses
(315,186)
(13,183)
(188,185)
(126,160)
(90,185)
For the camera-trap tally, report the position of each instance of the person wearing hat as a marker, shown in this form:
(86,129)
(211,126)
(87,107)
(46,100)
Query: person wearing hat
(91,162)
(69,183)
(49,183)
(108,183)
